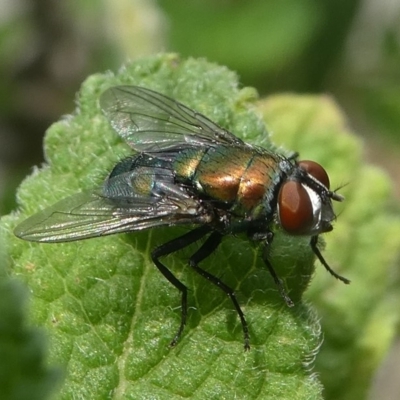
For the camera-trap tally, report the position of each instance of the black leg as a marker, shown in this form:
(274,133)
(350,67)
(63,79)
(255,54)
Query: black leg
(208,247)
(277,280)
(168,248)
(315,249)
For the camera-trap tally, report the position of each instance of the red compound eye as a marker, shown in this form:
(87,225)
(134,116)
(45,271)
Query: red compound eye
(315,170)
(295,209)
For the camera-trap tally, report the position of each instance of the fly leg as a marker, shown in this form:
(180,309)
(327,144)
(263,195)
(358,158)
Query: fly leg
(275,277)
(171,247)
(315,249)
(208,247)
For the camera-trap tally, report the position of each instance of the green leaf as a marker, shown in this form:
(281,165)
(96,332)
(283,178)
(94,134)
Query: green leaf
(110,314)
(23,373)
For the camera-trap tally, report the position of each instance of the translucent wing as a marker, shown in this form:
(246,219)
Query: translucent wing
(90,214)
(151,122)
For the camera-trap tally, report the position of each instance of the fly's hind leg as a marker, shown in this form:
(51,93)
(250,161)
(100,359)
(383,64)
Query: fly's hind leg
(171,247)
(208,247)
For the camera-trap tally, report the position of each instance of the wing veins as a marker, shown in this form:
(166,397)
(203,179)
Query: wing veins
(174,124)
(180,109)
(166,120)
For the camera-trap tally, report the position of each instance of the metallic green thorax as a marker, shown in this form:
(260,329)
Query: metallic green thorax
(242,180)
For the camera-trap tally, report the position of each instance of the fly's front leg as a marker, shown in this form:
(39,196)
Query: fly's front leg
(208,247)
(275,277)
(171,247)
(315,249)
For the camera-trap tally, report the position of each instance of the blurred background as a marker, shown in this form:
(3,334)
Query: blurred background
(349,49)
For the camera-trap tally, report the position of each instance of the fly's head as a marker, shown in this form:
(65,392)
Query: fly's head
(305,200)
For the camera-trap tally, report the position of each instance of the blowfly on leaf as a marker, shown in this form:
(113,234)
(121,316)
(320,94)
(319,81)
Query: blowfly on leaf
(186,170)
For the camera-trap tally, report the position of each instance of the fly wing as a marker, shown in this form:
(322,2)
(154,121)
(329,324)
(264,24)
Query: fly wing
(151,122)
(91,214)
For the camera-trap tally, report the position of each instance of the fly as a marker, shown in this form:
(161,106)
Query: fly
(187,170)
